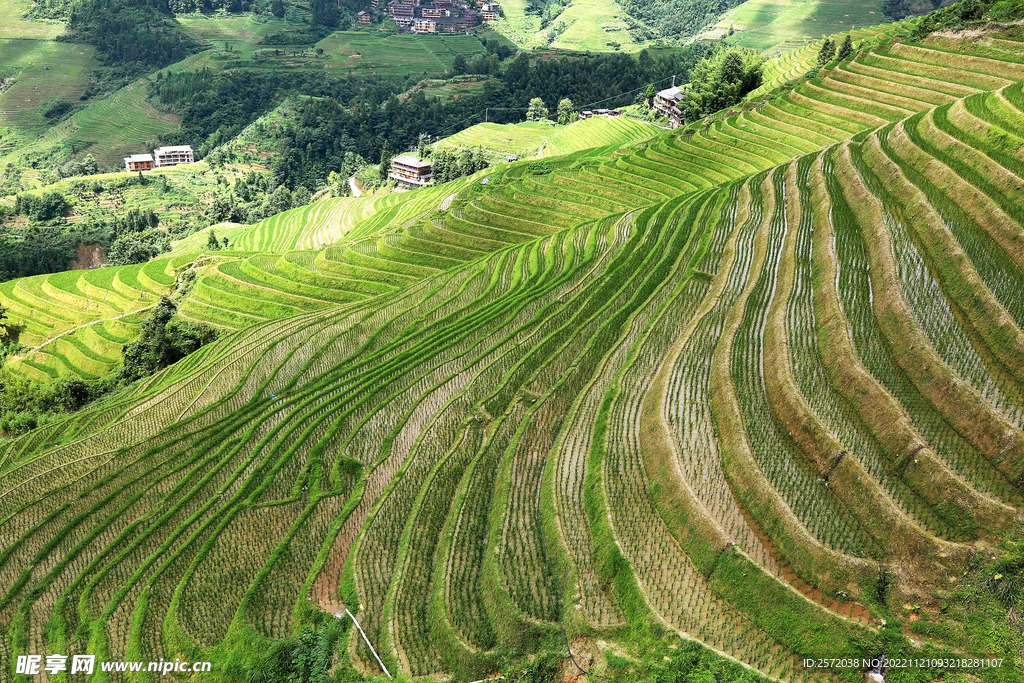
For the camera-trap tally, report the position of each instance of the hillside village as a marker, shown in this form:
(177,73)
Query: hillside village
(440,16)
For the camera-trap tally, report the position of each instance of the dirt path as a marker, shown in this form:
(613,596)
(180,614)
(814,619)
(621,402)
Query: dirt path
(75,329)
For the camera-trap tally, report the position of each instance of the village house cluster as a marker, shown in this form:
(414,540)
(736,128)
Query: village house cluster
(440,16)
(164,156)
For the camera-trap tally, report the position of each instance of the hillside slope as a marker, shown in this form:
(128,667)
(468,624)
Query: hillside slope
(756,383)
(500,141)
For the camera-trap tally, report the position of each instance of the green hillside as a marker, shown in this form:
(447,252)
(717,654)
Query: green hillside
(763,24)
(754,384)
(500,140)
(596,25)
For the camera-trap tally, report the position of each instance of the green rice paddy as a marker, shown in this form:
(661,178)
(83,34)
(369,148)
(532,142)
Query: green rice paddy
(756,384)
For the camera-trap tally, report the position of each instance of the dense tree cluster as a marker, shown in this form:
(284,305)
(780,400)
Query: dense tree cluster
(44,207)
(135,36)
(216,105)
(35,249)
(901,9)
(609,78)
(356,116)
(721,81)
(966,14)
(46,244)
(163,339)
(846,49)
(138,247)
(312,144)
(87,165)
(448,165)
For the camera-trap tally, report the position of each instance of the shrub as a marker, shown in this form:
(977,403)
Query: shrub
(44,207)
(138,247)
(163,340)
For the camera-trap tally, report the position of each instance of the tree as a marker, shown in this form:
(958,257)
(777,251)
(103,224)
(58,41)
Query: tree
(301,196)
(224,242)
(212,242)
(324,13)
(731,70)
(536,111)
(163,340)
(138,247)
(721,81)
(459,64)
(566,111)
(48,206)
(279,200)
(385,162)
(827,53)
(846,49)
(277,8)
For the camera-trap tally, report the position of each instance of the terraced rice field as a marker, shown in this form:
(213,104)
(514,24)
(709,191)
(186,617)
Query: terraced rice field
(43,72)
(589,25)
(17,25)
(501,140)
(599,131)
(109,128)
(362,52)
(762,24)
(523,139)
(757,385)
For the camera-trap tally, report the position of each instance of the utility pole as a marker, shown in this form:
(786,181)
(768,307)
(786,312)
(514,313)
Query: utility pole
(673,80)
(487,113)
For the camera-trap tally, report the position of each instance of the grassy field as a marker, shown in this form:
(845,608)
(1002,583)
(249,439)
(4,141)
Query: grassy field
(241,32)
(236,40)
(755,385)
(452,88)
(594,25)
(545,139)
(375,53)
(43,72)
(502,138)
(17,25)
(109,128)
(763,24)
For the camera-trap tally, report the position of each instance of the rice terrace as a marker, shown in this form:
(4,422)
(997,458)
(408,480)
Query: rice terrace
(593,340)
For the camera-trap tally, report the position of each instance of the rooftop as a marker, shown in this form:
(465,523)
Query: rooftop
(406,160)
(139,157)
(673,93)
(172,150)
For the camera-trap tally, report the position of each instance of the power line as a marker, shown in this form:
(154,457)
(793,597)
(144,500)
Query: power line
(642,87)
